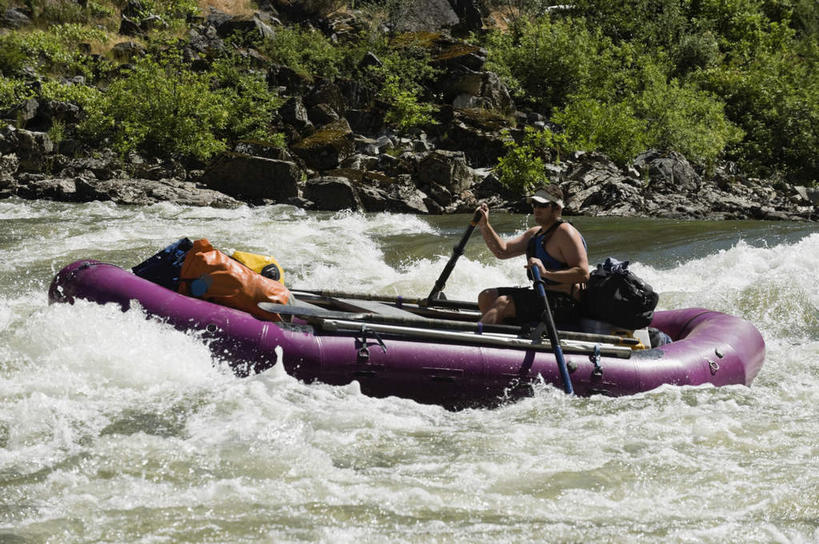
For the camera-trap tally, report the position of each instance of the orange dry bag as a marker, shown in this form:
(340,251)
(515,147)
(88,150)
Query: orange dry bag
(209,274)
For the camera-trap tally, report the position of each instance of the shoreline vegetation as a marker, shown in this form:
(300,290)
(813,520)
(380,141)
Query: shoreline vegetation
(689,109)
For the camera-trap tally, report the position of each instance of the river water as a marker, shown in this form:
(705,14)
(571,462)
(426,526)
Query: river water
(114,428)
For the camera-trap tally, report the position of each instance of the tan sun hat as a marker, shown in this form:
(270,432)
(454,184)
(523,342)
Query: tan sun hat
(549,193)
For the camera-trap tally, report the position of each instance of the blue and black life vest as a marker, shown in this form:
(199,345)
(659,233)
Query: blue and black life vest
(537,248)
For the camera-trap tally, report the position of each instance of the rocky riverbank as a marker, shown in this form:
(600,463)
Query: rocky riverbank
(379,173)
(340,153)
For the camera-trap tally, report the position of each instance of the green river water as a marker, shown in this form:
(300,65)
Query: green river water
(114,428)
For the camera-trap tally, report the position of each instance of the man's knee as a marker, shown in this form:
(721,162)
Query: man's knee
(487,298)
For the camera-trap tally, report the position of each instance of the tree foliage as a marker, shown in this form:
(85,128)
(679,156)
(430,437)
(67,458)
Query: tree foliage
(521,169)
(713,79)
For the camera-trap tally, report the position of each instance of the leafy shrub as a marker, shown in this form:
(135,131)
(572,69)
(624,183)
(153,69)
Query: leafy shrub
(405,111)
(522,168)
(54,50)
(307,51)
(775,100)
(82,95)
(681,117)
(594,125)
(696,52)
(162,108)
(653,23)
(12,57)
(13,92)
(250,103)
(399,82)
(545,61)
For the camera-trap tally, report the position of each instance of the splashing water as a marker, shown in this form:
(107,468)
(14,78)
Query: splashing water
(116,428)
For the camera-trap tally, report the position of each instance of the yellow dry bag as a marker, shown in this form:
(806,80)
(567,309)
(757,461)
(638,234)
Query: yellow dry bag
(266,266)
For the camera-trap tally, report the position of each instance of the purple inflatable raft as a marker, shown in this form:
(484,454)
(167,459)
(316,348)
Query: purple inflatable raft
(432,364)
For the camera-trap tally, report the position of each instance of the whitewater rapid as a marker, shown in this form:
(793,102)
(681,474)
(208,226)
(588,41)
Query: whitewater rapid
(115,428)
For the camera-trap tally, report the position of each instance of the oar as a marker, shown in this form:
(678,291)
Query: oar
(415,333)
(478,328)
(552,330)
(398,301)
(457,251)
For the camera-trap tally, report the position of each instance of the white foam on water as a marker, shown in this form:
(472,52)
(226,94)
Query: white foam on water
(117,428)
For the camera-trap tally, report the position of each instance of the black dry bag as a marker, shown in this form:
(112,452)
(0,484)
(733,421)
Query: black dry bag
(615,295)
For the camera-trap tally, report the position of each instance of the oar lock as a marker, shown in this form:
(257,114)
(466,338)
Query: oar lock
(713,365)
(595,360)
(364,350)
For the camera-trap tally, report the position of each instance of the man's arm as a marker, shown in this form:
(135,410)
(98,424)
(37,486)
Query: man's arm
(502,249)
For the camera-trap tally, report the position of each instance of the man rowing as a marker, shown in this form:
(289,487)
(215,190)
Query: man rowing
(555,247)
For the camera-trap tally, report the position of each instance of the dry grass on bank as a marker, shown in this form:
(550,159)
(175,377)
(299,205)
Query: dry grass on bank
(233,7)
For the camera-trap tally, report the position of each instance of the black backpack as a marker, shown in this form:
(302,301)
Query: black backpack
(615,295)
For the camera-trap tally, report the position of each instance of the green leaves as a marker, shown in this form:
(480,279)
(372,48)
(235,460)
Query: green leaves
(522,168)
(162,108)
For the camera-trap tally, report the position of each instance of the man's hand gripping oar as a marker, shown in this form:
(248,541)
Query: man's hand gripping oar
(456,252)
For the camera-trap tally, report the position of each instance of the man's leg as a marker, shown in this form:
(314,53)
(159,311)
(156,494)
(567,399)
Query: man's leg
(495,308)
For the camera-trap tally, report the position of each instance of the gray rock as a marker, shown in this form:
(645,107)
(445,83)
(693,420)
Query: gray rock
(60,189)
(322,114)
(294,113)
(327,148)
(30,147)
(670,172)
(8,166)
(127,51)
(425,15)
(447,169)
(14,18)
(254,178)
(332,193)
(23,112)
(226,25)
(145,192)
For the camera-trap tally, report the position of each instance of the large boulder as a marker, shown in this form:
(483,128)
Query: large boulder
(667,171)
(332,193)
(447,169)
(478,132)
(31,147)
(425,15)
(294,113)
(253,178)
(328,147)
(14,18)
(227,25)
(143,192)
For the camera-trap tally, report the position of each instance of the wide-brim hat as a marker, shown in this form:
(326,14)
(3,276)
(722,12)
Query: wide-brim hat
(542,196)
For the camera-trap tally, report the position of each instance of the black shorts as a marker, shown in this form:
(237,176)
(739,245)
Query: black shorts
(529,305)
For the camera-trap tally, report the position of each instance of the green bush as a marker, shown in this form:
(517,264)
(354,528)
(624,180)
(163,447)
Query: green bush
(13,92)
(681,117)
(307,51)
(653,23)
(594,125)
(162,108)
(399,82)
(545,61)
(250,103)
(405,111)
(775,100)
(54,50)
(521,169)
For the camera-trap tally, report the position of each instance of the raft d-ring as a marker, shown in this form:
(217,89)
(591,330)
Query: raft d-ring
(713,365)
